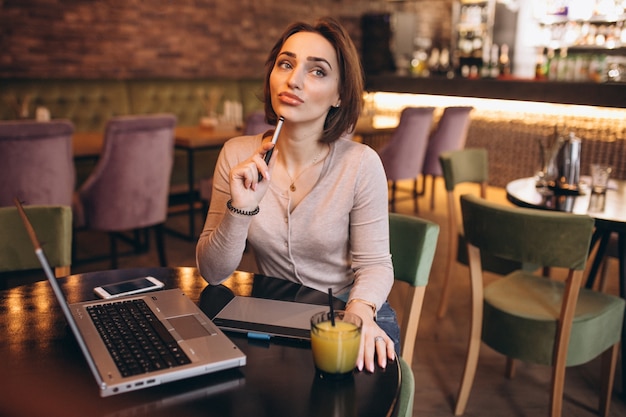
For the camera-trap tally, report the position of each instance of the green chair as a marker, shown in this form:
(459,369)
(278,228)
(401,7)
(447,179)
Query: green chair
(412,243)
(469,165)
(534,318)
(53,225)
(407,390)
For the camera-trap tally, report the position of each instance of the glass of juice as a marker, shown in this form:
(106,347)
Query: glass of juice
(335,348)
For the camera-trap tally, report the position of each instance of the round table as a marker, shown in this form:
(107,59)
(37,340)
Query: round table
(45,372)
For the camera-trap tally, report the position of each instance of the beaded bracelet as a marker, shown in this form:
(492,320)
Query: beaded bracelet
(235,210)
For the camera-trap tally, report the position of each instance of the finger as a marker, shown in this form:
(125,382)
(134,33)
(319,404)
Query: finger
(360,361)
(249,176)
(267,151)
(370,352)
(381,344)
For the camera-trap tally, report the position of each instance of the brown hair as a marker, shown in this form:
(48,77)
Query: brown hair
(342,119)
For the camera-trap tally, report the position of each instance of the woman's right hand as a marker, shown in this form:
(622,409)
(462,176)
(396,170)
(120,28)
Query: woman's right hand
(245,189)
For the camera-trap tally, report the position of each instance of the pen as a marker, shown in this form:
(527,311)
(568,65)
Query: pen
(268,154)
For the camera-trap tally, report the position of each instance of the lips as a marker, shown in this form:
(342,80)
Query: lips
(289,98)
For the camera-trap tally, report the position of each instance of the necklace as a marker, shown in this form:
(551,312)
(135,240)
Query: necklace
(292,186)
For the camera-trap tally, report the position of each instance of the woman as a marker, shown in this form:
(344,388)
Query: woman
(317,214)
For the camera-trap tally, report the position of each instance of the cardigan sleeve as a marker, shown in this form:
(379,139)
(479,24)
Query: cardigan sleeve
(222,242)
(369,233)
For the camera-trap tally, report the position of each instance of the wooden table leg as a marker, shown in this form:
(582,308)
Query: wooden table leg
(604,236)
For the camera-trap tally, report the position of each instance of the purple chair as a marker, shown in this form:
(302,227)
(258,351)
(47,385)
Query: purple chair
(129,187)
(403,155)
(36,162)
(255,123)
(450,135)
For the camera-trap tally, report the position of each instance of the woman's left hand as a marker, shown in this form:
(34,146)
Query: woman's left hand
(374,340)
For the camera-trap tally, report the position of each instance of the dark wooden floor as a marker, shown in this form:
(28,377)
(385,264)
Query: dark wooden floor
(440,348)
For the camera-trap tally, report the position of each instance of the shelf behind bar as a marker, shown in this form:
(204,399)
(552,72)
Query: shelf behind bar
(589,94)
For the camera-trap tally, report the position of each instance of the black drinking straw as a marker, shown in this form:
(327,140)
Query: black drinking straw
(330,304)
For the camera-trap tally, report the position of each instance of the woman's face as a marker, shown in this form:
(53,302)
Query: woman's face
(304,82)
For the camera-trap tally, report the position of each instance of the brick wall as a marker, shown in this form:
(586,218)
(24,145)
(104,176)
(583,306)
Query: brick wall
(128,39)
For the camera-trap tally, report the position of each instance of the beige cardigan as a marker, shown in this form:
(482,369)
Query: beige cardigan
(337,236)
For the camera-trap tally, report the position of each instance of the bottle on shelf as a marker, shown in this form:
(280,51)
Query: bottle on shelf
(504,62)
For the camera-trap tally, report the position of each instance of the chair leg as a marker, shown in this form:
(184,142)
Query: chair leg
(604,269)
(572,289)
(160,243)
(145,240)
(609,362)
(469,372)
(510,368)
(432,192)
(138,244)
(415,196)
(410,322)
(445,291)
(473,348)
(74,244)
(453,239)
(113,250)
(392,200)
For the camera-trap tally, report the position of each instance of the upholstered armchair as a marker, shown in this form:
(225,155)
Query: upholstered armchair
(36,162)
(449,135)
(403,156)
(129,187)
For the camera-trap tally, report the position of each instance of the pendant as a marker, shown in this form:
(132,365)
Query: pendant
(292,187)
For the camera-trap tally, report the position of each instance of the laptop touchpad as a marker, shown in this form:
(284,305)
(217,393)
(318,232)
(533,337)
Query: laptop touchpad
(188,327)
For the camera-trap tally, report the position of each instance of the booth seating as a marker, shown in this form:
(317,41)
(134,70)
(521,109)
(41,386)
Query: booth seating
(89,104)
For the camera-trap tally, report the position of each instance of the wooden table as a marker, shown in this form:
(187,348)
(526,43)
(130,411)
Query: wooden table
(191,139)
(89,144)
(46,374)
(612,219)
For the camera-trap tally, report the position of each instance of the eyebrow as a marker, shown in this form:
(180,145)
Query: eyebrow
(310,58)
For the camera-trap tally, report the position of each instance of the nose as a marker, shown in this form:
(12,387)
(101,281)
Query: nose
(295,79)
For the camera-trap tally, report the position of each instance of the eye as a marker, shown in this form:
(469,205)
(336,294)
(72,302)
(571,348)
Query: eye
(284,64)
(319,72)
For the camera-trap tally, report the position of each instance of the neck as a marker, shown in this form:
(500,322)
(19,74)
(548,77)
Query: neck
(299,150)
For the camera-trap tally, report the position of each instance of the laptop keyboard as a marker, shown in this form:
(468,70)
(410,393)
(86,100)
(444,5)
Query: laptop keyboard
(135,338)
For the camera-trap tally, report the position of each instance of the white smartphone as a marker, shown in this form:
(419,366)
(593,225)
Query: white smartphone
(133,286)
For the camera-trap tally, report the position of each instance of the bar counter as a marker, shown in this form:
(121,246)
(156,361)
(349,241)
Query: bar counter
(512,116)
(580,93)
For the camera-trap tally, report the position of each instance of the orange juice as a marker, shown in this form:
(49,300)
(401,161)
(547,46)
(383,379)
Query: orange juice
(335,348)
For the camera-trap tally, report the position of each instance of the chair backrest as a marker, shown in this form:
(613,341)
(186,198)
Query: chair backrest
(464,165)
(406,398)
(53,225)
(538,237)
(449,135)
(255,124)
(412,243)
(36,162)
(403,155)
(129,187)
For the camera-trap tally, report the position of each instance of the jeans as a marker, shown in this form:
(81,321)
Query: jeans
(387,320)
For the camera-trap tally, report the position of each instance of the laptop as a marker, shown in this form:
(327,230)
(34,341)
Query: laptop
(181,342)
(263,318)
